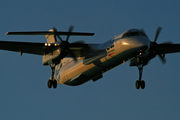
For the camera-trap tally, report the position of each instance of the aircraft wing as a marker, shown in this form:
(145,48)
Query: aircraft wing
(24,47)
(76,48)
(168,48)
(38,48)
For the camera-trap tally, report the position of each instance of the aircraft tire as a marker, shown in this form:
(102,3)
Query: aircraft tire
(142,84)
(50,83)
(137,84)
(54,84)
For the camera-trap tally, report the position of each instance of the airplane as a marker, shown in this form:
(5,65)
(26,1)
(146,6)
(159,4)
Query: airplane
(78,62)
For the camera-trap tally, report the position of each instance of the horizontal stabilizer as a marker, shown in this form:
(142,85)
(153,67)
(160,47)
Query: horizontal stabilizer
(50,33)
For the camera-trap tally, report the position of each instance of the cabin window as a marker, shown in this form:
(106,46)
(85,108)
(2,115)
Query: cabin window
(112,46)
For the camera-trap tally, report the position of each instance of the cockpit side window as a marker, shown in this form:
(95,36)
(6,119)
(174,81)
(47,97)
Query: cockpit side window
(142,34)
(125,35)
(133,34)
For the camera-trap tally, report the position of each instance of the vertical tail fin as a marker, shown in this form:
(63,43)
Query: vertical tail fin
(51,38)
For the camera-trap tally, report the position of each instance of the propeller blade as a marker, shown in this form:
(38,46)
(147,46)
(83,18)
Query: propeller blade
(71,28)
(157,33)
(163,60)
(69,31)
(59,38)
(55,33)
(66,46)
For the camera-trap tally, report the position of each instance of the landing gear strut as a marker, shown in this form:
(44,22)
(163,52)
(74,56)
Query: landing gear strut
(140,83)
(52,82)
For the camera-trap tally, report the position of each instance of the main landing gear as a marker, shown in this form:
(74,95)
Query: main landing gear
(52,82)
(140,83)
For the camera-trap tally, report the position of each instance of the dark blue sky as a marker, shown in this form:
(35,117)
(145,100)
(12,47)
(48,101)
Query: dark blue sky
(23,82)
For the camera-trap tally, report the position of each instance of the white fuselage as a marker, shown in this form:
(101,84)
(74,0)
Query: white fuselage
(117,51)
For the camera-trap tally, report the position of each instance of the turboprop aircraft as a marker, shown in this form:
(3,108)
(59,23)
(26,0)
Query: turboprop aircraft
(76,63)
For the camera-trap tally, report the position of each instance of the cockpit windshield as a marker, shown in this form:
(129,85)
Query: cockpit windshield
(142,34)
(133,34)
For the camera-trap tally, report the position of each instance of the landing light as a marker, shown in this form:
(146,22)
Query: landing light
(47,44)
(124,43)
(56,44)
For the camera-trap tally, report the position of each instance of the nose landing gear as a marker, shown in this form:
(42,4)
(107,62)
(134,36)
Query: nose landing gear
(140,83)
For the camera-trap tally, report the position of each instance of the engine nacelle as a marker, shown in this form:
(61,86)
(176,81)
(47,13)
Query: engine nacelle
(50,59)
(54,57)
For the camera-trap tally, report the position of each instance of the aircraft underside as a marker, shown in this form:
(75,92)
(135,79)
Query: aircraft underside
(98,69)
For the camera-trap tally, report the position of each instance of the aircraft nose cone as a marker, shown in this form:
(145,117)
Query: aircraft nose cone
(144,43)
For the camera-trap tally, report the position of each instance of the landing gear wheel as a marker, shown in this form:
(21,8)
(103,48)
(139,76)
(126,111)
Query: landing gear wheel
(137,84)
(50,83)
(54,84)
(142,84)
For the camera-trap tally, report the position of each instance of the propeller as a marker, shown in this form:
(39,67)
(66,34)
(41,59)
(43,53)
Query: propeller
(157,33)
(154,45)
(65,45)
